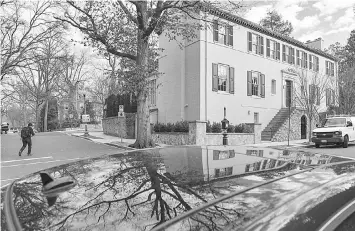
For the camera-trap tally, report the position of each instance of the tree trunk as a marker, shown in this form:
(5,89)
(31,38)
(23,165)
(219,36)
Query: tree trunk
(45,120)
(310,130)
(144,138)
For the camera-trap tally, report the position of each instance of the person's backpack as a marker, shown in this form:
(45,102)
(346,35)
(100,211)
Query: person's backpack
(25,132)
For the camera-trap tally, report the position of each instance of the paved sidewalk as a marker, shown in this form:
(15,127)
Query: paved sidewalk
(100,137)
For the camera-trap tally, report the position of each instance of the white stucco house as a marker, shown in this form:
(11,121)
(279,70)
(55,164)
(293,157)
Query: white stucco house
(242,66)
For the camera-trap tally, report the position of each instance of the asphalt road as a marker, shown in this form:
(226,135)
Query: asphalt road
(48,150)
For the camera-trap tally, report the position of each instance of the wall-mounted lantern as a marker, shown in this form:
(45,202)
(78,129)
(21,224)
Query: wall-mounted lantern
(225,124)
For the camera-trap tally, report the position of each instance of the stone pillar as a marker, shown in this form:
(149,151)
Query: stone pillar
(197,132)
(256,128)
(257,133)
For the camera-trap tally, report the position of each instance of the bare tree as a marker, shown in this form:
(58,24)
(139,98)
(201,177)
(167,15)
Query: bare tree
(310,91)
(126,29)
(347,91)
(21,36)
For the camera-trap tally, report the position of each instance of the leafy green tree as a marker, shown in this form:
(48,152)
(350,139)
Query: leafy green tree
(274,22)
(129,30)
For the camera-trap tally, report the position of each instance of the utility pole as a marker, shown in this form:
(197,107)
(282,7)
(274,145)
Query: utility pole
(86,125)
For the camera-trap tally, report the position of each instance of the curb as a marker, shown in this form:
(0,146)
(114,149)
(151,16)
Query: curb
(109,144)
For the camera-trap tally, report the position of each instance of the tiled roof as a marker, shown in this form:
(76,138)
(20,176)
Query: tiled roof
(256,27)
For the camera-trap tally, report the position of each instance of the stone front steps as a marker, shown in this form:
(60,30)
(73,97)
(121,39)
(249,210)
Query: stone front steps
(275,124)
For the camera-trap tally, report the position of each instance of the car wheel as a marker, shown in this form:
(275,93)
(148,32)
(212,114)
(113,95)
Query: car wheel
(346,142)
(317,145)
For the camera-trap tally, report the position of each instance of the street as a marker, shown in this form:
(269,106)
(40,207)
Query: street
(48,150)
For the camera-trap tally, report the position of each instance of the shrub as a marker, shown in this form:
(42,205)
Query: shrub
(208,127)
(216,127)
(181,126)
(230,128)
(239,128)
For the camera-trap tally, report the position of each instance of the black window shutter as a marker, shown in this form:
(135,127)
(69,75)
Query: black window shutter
(215,30)
(262,80)
(318,96)
(333,97)
(249,83)
(293,56)
(311,94)
(310,62)
(305,62)
(217,172)
(250,42)
(278,51)
(298,57)
(215,155)
(268,47)
(231,80)
(230,35)
(214,77)
(261,39)
(317,60)
(231,153)
(283,53)
(327,97)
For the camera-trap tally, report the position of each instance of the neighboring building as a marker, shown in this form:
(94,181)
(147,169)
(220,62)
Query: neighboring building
(244,67)
(64,110)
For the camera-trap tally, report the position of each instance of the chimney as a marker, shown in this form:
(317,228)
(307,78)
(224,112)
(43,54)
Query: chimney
(317,43)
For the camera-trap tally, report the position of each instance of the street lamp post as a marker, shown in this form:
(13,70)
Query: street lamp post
(86,125)
(225,124)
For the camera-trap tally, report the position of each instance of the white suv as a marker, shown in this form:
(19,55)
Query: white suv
(336,130)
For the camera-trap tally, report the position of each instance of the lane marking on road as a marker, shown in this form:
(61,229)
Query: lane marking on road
(42,162)
(46,157)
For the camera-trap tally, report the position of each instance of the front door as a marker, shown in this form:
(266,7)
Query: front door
(288,92)
(303,127)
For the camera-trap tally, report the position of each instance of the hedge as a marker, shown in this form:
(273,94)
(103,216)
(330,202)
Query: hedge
(181,126)
(216,127)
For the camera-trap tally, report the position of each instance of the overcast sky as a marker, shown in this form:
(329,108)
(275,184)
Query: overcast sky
(331,20)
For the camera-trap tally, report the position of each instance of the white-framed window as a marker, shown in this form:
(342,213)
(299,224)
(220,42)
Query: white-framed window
(329,68)
(288,54)
(255,43)
(255,84)
(220,172)
(222,33)
(256,117)
(272,49)
(273,86)
(313,63)
(153,92)
(222,78)
(330,97)
(222,155)
(301,59)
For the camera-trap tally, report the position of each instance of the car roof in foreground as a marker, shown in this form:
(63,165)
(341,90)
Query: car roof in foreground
(142,189)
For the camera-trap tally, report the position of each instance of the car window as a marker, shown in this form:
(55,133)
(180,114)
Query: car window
(348,224)
(335,122)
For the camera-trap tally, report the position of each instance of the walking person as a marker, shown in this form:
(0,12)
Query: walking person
(26,134)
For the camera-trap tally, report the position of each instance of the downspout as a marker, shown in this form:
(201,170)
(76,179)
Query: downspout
(205,67)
